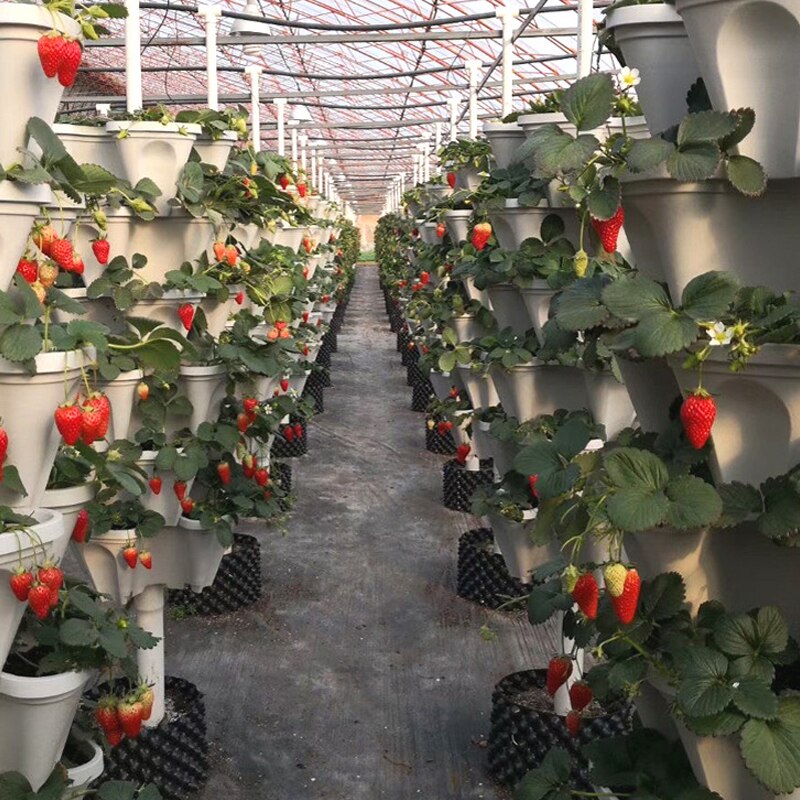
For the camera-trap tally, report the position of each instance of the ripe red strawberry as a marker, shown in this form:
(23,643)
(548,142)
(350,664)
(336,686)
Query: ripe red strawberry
(284,385)
(698,413)
(101,404)
(43,237)
(39,600)
(28,269)
(441,428)
(532,481)
(131,556)
(51,576)
(302,189)
(239,298)
(21,582)
(424,278)
(288,433)
(186,313)
(142,391)
(179,487)
(146,697)
(261,476)
(101,249)
(105,714)
(558,670)
(250,404)
(91,422)
(298,430)
(249,465)
(626,603)
(3,444)
(462,451)
(481,234)
(77,264)
(114,737)
(129,716)
(224,472)
(608,230)
(305,316)
(243,422)
(155,484)
(69,421)
(51,52)
(231,255)
(284,181)
(451,180)
(587,594)
(580,695)
(70,61)
(81,527)
(187,505)
(441,230)
(219,250)
(573,722)
(454,393)
(61,252)
(305,349)
(146,559)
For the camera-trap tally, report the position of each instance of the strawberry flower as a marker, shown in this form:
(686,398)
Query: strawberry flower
(628,78)
(719,334)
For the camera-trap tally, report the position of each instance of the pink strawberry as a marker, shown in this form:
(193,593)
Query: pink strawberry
(481,234)
(146,559)
(224,472)
(131,556)
(608,229)
(626,602)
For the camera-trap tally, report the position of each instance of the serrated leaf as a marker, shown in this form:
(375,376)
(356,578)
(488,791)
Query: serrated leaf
(694,162)
(636,509)
(746,175)
(588,102)
(603,203)
(628,467)
(706,126)
(708,296)
(647,154)
(693,503)
(754,698)
(663,597)
(579,307)
(20,342)
(77,633)
(739,502)
(703,688)
(631,298)
(664,332)
(771,748)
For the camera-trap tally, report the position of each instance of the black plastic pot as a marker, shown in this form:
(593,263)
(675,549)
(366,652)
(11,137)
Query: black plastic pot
(315,389)
(436,443)
(283,448)
(521,737)
(421,395)
(459,483)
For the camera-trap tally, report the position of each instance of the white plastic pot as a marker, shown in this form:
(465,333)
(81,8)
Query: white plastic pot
(27,92)
(20,207)
(289,237)
(756,434)
(47,539)
(218,312)
(427,232)
(515,223)
(204,385)
(466,327)
(505,138)
(69,501)
(443,382)
(164,309)
(81,775)
(748,53)
(468,179)
(712,227)
(653,40)
(457,224)
(537,299)
(215,151)
(89,144)
(121,393)
(652,389)
(481,295)
(165,503)
(531,389)
(508,308)
(479,387)
(27,405)
(155,151)
(532,122)
(609,402)
(35,719)
(518,551)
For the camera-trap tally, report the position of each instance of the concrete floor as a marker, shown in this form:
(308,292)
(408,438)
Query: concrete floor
(360,674)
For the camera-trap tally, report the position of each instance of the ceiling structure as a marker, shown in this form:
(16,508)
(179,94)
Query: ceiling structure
(370,102)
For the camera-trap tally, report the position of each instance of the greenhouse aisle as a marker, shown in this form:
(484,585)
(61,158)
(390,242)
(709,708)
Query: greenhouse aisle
(360,674)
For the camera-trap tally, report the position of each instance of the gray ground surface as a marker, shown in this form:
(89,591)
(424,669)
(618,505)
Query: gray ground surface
(360,674)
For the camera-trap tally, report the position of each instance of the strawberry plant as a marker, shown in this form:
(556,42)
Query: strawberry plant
(214,123)
(14,786)
(510,498)
(464,153)
(515,182)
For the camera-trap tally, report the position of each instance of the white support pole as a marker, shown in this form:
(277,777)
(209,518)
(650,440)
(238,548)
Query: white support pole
(149,606)
(437,145)
(280,114)
(133,56)
(210,15)
(303,154)
(321,167)
(294,148)
(453,101)
(313,176)
(402,183)
(426,158)
(507,16)
(585,37)
(254,74)
(416,169)
(473,68)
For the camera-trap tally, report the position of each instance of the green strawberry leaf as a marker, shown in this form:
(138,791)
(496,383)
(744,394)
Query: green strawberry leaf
(588,102)
(771,748)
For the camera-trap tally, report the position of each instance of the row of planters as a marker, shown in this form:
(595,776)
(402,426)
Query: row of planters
(173,293)
(603,308)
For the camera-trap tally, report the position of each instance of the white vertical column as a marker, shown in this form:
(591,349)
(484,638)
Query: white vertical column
(321,168)
(313,176)
(303,154)
(426,158)
(437,145)
(473,68)
(585,35)
(149,605)
(133,56)
(210,15)
(254,73)
(416,168)
(507,15)
(280,114)
(402,183)
(294,149)
(453,101)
